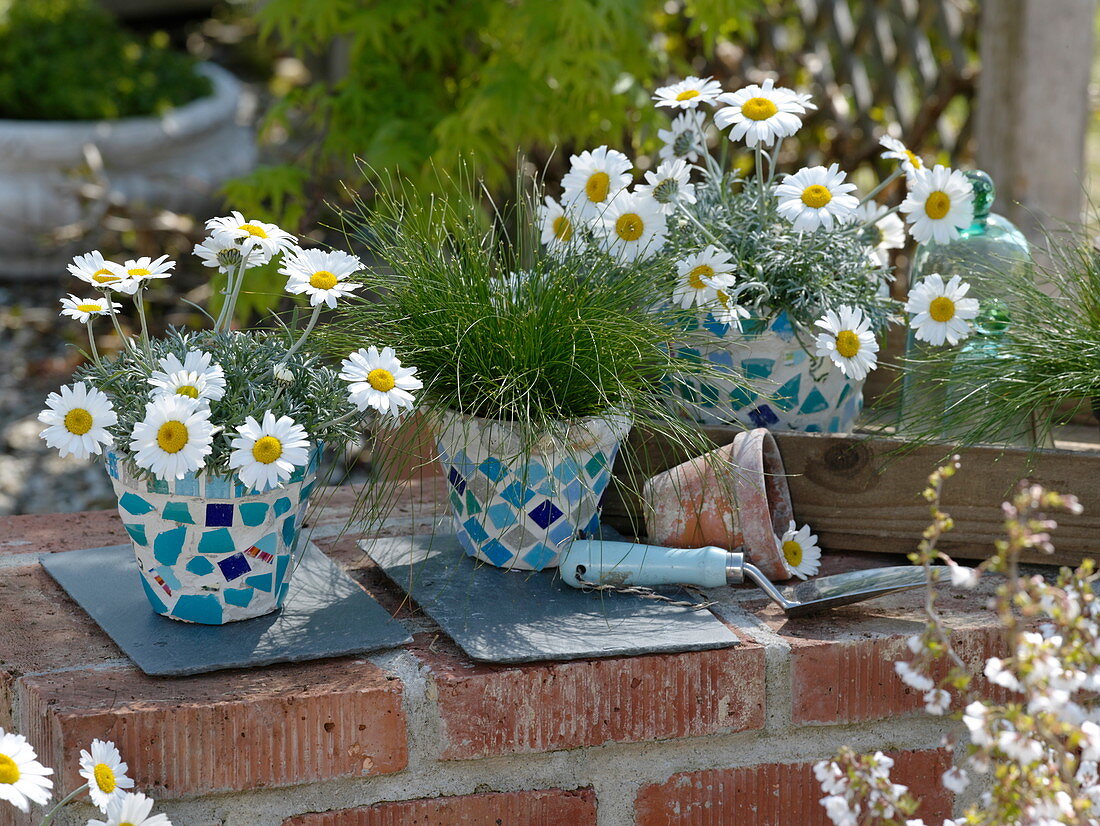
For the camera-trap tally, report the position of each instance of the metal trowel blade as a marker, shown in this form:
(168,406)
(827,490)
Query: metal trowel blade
(854,586)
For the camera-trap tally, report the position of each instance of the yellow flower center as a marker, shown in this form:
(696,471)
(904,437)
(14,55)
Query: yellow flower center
(816,196)
(942,309)
(89,308)
(188,390)
(847,343)
(563,228)
(104,777)
(914,159)
(9,772)
(104,277)
(381,380)
(138,272)
(172,436)
(629,226)
(267,450)
(597,187)
(937,205)
(696,276)
(253,230)
(322,280)
(792,552)
(724,299)
(78,421)
(688,94)
(758,109)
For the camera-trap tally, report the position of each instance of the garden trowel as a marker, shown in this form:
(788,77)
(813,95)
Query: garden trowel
(595,562)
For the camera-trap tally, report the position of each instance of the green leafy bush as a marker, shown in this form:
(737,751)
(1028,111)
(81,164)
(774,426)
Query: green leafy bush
(70,60)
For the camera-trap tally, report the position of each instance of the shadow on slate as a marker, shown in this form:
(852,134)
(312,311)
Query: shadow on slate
(326,614)
(523,616)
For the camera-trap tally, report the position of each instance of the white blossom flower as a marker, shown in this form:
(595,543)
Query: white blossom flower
(378,380)
(174,438)
(84,309)
(102,767)
(1020,747)
(760,114)
(816,197)
(92,268)
(848,342)
(320,275)
(898,151)
(801,553)
(632,228)
(560,233)
(701,276)
(839,811)
(143,269)
(937,701)
(955,780)
(831,778)
(688,93)
(132,810)
(266,453)
(593,181)
(941,312)
(882,231)
(963,577)
(78,418)
(223,251)
(683,140)
(914,643)
(669,186)
(23,780)
(726,310)
(940,204)
(975,719)
(196,377)
(268,238)
(913,678)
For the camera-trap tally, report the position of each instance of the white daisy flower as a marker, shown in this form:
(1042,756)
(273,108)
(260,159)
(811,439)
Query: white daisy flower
(132,810)
(941,312)
(594,179)
(195,377)
(378,380)
(142,269)
(559,231)
(92,268)
(103,769)
(801,553)
(882,231)
(223,251)
(683,140)
(632,228)
(320,275)
(727,311)
(760,114)
(265,454)
(78,418)
(816,197)
(848,341)
(898,151)
(701,276)
(669,186)
(268,238)
(174,438)
(688,93)
(939,204)
(83,309)
(23,780)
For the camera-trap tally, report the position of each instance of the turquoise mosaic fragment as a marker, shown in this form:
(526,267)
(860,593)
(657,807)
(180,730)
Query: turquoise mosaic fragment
(168,545)
(218,541)
(132,503)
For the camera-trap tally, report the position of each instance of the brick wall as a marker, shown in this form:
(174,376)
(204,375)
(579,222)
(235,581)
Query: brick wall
(423,735)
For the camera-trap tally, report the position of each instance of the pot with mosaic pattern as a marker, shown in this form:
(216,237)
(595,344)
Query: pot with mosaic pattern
(796,390)
(518,504)
(209,549)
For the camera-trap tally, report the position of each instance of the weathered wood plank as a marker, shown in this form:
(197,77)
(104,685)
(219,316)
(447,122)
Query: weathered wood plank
(860,494)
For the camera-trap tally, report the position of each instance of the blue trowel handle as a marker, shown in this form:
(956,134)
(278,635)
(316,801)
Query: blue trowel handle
(596,561)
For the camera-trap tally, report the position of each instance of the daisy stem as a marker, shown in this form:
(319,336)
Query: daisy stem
(760,181)
(710,235)
(338,419)
(233,289)
(91,343)
(893,176)
(139,301)
(66,801)
(773,159)
(712,165)
(305,333)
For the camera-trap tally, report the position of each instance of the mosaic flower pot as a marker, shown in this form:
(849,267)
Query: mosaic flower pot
(798,390)
(210,550)
(519,506)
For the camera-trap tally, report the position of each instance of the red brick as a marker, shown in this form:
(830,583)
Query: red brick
(547,807)
(491,710)
(233,731)
(777,794)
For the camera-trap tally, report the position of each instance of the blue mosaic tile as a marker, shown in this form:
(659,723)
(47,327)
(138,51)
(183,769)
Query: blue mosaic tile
(219,541)
(205,609)
(756,368)
(289,533)
(595,466)
(763,416)
(112,465)
(200,566)
(219,515)
(545,514)
(137,533)
(261,582)
(815,402)
(268,544)
(502,515)
(567,470)
(574,491)
(218,487)
(516,494)
(168,545)
(540,556)
(493,469)
(782,327)
(177,512)
(281,565)
(457,480)
(475,531)
(496,552)
(157,486)
(562,532)
(472,505)
(166,573)
(132,503)
(241,597)
(253,513)
(458,502)
(281,506)
(234,566)
(187,486)
(787,396)
(307,491)
(154,599)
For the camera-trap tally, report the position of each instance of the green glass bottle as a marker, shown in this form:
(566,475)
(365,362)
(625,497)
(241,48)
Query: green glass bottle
(981,255)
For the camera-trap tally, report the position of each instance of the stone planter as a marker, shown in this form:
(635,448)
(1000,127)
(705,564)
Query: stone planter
(175,161)
(517,505)
(798,391)
(210,550)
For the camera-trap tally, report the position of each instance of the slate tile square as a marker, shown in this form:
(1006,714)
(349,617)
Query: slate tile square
(234,566)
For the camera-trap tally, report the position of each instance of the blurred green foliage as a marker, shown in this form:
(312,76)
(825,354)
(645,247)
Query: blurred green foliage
(71,60)
(424,86)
